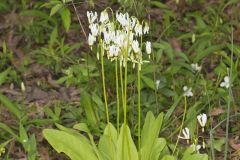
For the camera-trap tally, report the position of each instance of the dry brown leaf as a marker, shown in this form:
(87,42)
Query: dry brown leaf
(235,143)
(216,111)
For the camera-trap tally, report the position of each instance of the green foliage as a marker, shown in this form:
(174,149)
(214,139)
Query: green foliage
(111,145)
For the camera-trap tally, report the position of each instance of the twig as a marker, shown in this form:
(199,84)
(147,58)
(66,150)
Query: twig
(79,20)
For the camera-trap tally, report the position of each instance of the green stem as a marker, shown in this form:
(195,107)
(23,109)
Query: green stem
(230,98)
(181,127)
(118,107)
(139,111)
(125,94)
(104,86)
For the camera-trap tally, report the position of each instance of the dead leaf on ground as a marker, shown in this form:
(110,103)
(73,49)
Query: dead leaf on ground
(216,111)
(235,143)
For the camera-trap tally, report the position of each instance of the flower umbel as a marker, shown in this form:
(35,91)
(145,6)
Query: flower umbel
(120,39)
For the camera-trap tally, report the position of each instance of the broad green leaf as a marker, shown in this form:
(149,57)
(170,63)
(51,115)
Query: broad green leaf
(126,148)
(168,157)
(83,127)
(196,157)
(159,145)
(146,128)
(149,82)
(66,18)
(70,144)
(12,107)
(55,9)
(150,137)
(108,143)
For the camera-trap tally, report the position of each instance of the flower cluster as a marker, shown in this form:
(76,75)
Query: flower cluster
(120,38)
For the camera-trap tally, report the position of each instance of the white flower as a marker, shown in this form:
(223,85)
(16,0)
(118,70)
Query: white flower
(196,147)
(104,17)
(108,36)
(186,134)
(23,88)
(226,82)
(135,46)
(187,91)
(94,29)
(91,39)
(202,119)
(119,39)
(133,22)
(196,67)
(148,47)
(157,83)
(146,28)
(113,51)
(123,19)
(138,29)
(91,16)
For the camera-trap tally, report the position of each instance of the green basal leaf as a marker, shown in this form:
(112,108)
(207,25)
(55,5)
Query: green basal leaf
(126,148)
(149,138)
(108,143)
(72,145)
(168,157)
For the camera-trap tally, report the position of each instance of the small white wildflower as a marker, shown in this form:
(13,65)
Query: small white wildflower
(196,67)
(133,22)
(196,147)
(119,39)
(202,119)
(138,29)
(186,134)
(157,83)
(148,47)
(226,82)
(108,36)
(135,46)
(146,28)
(94,29)
(203,145)
(113,51)
(91,39)
(187,91)
(123,19)
(104,17)
(91,16)
(23,88)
